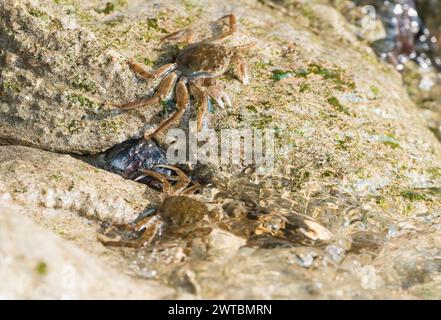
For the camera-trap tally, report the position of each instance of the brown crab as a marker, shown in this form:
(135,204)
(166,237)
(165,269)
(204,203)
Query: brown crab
(197,66)
(178,209)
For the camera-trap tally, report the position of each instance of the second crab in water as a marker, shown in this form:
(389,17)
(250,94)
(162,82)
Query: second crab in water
(178,209)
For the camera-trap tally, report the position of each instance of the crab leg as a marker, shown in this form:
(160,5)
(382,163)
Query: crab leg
(240,68)
(202,93)
(185,36)
(182,101)
(164,88)
(192,189)
(166,186)
(183,181)
(202,98)
(144,74)
(146,237)
(219,95)
(245,47)
(201,112)
(232,30)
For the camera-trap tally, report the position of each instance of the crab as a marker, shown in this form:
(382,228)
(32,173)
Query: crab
(194,72)
(177,209)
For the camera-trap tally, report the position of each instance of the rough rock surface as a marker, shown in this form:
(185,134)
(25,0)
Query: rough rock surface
(352,151)
(327,113)
(36,264)
(35,177)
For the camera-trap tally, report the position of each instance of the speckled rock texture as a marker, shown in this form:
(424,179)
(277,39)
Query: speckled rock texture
(35,177)
(335,117)
(36,264)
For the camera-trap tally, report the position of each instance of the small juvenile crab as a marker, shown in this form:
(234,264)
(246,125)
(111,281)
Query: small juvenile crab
(197,66)
(178,209)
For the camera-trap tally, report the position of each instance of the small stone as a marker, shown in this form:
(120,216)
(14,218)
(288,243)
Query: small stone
(235,209)
(336,253)
(392,231)
(222,243)
(304,259)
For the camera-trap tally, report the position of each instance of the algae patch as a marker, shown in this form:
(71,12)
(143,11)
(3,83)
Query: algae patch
(41,268)
(333,101)
(334,75)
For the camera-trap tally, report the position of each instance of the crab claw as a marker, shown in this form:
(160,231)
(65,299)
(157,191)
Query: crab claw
(219,95)
(245,75)
(241,69)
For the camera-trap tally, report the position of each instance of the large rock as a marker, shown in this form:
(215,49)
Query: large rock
(339,113)
(36,264)
(35,177)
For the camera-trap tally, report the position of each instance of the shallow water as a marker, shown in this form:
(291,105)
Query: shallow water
(373,253)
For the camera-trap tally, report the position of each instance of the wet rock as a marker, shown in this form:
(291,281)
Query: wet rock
(129,158)
(305,257)
(430,11)
(430,290)
(413,257)
(407,37)
(276,273)
(336,253)
(367,240)
(224,244)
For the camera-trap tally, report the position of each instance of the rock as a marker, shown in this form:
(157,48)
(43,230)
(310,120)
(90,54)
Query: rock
(412,257)
(325,119)
(326,116)
(35,177)
(430,290)
(36,264)
(275,274)
(352,151)
(224,244)
(430,10)
(367,240)
(56,78)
